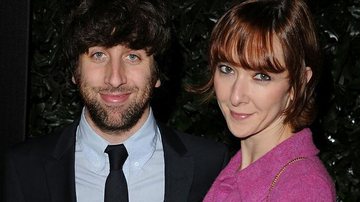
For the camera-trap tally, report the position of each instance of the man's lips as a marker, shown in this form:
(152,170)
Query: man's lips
(114,98)
(239,116)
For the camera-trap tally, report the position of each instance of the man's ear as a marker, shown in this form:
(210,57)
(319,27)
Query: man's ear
(308,73)
(73,79)
(158,83)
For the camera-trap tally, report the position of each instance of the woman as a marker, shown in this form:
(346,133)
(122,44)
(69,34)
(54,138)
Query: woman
(264,60)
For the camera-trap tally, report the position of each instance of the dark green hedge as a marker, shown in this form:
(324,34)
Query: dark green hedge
(54,100)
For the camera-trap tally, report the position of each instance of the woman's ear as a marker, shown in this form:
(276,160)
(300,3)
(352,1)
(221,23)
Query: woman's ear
(291,96)
(308,74)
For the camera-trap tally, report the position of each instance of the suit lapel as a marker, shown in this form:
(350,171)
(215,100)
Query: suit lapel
(179,167)
(59,168)
(60,171)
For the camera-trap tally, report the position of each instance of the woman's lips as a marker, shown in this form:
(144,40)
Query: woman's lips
(239,116)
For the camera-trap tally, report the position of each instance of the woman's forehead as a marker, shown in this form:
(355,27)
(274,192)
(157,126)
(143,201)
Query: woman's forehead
(255,54)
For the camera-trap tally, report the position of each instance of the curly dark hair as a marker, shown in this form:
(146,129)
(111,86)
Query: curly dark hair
(137,24)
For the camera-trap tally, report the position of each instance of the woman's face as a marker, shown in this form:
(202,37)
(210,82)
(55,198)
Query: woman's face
(252,102)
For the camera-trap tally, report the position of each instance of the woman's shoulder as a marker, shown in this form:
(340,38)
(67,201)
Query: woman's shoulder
(306,179)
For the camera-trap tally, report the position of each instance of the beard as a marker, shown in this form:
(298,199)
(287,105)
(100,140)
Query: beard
(115,119)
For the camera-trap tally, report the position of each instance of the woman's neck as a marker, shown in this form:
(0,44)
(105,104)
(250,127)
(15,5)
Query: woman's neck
(257,145)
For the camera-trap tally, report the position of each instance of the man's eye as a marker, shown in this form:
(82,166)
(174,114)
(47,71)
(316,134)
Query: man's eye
(99,56)
(225,69)
(262,77)
(133,57)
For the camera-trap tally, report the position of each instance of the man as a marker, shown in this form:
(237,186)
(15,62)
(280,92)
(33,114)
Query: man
(114,48)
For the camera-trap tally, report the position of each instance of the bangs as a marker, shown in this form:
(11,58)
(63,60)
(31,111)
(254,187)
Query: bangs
(246,46)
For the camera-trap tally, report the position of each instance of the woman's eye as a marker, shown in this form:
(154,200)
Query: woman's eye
(99,56)
(225,69)
(262,77)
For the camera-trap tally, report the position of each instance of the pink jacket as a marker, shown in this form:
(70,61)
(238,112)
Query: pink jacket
(303,180)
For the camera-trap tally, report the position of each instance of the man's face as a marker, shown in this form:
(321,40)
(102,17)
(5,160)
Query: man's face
(116,85)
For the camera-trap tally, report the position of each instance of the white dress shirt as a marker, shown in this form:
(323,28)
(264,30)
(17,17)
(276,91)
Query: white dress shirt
(143,169)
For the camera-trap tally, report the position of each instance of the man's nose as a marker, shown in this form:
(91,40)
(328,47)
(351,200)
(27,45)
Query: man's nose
(115,74)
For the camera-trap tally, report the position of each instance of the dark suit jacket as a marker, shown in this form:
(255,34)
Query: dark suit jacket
(42,170)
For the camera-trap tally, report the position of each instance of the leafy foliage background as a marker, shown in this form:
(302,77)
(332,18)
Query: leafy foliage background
(54,101)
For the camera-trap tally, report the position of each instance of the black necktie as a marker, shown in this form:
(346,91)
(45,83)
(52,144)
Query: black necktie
(115,187)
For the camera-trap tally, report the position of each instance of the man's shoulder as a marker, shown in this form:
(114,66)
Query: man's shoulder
(193,143)
(39,145)
(199,141)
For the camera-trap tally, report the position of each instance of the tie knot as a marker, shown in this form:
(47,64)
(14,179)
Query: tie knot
(117,156)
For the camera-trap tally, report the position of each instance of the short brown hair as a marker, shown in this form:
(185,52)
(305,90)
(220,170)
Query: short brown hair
(244,36)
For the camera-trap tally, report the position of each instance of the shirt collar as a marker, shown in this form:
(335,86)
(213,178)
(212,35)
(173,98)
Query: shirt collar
(140,146)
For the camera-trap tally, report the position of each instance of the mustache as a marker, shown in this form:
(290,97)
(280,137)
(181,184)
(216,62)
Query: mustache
(120,89)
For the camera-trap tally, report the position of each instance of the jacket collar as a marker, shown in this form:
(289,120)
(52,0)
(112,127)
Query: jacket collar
(179,166)
(59,168)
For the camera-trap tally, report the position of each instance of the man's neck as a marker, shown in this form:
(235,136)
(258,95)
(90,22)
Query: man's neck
(118,137)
